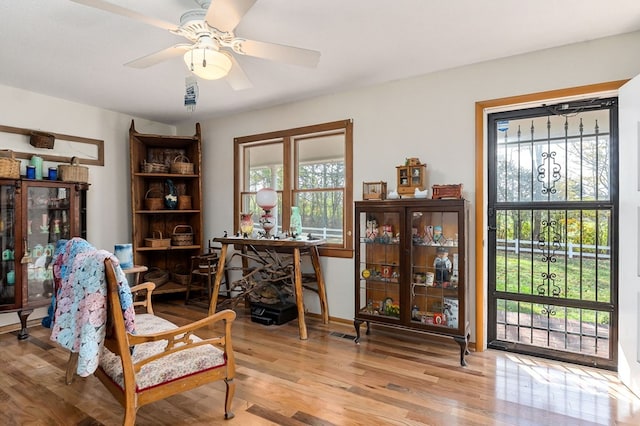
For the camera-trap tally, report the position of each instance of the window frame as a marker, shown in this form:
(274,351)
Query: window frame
(288,138)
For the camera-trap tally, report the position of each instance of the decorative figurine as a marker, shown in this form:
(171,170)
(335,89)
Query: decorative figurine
(171,199)
(442,265)
(417,193)
(437,234)
(372,228)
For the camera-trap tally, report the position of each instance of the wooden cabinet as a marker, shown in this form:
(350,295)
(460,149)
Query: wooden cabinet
(34,215)
(166,232)
(410,178)
(411,267)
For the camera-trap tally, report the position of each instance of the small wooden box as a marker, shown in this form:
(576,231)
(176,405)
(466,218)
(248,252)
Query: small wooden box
(374,190)
(447,191)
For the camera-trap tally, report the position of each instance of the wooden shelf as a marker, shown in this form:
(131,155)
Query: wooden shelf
(165,149)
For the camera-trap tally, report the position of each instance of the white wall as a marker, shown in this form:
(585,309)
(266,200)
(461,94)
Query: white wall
(108,216)
(430,117)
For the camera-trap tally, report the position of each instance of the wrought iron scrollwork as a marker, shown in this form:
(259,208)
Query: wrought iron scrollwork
(549,172)
(548,244)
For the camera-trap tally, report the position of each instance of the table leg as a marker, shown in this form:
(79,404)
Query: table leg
(322,292)
(299,296)
(219,274)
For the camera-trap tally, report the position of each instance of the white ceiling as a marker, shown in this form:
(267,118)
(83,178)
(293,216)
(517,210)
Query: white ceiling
(71,51)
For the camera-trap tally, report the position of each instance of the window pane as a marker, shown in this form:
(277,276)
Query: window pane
(322,214)
(321,162)
(265,164)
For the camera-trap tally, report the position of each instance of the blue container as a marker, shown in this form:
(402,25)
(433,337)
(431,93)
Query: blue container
(31,172)
(124,253)
(53,173)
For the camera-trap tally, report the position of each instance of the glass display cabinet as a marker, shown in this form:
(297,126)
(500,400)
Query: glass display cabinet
(34,215)
(411,269)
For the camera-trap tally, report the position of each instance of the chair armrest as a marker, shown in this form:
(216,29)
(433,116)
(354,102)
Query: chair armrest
(178,339)
(146,302)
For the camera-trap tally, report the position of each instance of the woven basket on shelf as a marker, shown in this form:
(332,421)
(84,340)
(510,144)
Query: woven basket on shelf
(157,276)
(9,167)
(156,240)
(154,167)
(182,238)
(181,165)
(181,275)
(184,202)
(73,172)
(42,140)
(153,203)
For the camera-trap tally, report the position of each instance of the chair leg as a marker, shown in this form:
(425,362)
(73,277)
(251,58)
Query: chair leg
(72,364)
(129,416)
(231,389)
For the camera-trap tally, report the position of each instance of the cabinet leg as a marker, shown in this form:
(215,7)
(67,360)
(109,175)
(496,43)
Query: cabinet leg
(464,348)
(24,315)
(357,323)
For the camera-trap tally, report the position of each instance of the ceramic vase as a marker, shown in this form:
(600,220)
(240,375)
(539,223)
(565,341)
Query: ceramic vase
(171,199)
(246,224)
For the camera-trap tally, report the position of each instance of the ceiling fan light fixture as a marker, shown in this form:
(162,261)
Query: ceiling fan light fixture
(209,64)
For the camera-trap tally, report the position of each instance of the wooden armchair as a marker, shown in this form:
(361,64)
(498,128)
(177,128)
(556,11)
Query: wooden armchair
(160,359)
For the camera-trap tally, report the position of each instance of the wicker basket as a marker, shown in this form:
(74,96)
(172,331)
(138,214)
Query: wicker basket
(153,203)
(154,167)
(73,172)
(156,240)
(181,165)
(42,140)
(157,276)
(184,202)
(182,238)
(181,275)
(9,167)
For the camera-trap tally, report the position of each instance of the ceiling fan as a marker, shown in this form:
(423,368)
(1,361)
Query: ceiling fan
(210,53)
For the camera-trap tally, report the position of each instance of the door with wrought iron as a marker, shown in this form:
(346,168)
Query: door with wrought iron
(552,245)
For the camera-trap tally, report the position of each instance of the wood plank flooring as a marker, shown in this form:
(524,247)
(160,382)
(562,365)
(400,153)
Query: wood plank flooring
(327,380)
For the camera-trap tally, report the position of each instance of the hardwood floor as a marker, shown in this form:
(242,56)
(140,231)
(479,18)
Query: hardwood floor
(327,380)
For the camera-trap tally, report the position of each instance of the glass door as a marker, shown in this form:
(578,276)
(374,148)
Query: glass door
(7,244)
(435,273)
(379,265)
(48,220)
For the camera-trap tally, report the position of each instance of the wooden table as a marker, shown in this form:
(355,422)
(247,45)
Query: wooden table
(296,247)
(135,270)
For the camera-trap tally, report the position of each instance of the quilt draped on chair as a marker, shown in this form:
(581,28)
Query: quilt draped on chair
(80,302)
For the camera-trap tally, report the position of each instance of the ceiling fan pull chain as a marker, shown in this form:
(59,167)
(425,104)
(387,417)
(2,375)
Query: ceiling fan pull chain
(191,66)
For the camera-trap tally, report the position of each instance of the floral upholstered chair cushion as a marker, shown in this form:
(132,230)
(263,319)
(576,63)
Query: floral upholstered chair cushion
(166,369)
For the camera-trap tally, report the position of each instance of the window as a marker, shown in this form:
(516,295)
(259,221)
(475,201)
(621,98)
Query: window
(310,167)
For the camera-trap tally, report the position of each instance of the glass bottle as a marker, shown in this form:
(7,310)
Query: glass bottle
(295,223)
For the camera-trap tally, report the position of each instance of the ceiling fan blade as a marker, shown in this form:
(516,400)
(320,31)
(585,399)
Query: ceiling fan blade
(236,78)
(157,57)
(279,52)
(225,15)
(128,13)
